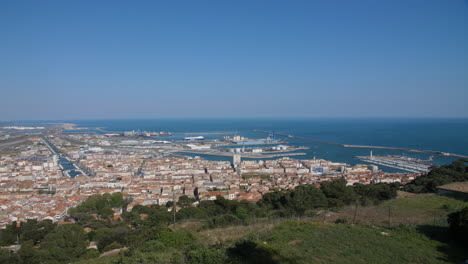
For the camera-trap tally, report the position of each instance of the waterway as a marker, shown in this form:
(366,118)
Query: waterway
(68,167)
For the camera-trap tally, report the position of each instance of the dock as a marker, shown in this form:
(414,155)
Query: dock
(367,146)
(244,155)
(398,162)
(204,133)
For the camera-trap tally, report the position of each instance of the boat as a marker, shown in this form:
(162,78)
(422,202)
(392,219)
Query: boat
(194,138)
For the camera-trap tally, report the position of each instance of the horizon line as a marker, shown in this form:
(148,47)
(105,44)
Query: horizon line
(231,118)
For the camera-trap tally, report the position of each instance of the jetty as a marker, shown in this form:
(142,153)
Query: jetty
(366,146)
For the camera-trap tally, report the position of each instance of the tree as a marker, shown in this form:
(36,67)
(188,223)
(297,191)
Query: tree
(64,244)
(207,256)
(251,252)
(184,200)
(106,213)
(458,222)
(338,193)
(242,213)
(9,235)
(5,256)
(106,236)
(306,197)
(376,193)
(99,204)
(454,172)
(35,231)
(273,200)
(192,212)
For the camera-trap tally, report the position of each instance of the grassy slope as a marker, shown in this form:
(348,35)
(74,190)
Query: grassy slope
(423,241)
(416,209)
(305,242)
(313,241)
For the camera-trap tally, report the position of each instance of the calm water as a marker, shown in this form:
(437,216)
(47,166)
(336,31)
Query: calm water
(446,135)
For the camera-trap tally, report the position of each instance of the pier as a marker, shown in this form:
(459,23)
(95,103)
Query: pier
(243,154)
(204,133)
(366,146)
(398,162)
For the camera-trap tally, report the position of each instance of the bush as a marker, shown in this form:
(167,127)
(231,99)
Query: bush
(454,172)
(99,204)
(113,245)
(251,252)
(376,193)
(106,236)
(341,221)
(207,256)
(224,220)
(458,222)
(179,238)
(338,193)
(295,202)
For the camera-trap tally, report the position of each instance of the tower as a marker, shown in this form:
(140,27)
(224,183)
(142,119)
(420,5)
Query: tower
(236,160)
(55,160)
(371,157)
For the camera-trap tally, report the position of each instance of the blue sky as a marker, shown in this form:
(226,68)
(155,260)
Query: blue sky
(151,59)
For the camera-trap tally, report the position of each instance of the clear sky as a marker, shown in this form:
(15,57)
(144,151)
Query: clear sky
(242,58)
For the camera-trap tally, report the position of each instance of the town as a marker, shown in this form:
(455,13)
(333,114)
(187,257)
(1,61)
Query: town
(43,175)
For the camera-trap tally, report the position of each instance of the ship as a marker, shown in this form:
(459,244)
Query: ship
(194,138)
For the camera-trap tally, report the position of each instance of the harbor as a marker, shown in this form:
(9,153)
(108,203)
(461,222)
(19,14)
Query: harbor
(246,147)
(367,146)
(399,162)
(244,155)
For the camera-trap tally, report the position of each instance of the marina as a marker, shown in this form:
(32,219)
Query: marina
(367,146)
(399,162)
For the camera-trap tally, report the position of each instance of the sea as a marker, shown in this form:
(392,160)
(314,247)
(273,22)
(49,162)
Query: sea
(437,134)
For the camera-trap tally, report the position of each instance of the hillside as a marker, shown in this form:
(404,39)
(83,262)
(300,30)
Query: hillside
(311,240)
(335,223)
(406,209)
(305,242)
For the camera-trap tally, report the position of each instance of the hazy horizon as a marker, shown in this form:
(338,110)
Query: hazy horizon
(243,59)
(248,118)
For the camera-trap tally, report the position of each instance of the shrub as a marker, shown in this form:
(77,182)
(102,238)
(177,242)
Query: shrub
(207,256)
(458,222)
(341,221)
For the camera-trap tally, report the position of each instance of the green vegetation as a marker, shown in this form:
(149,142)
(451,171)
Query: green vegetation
(305,242)
(100,205)
(145,230)
(415,209)
(31,230)
(185,201)
(221,212)
(455,172)
(51,244)
(459,224)
(332,194)
(345,224)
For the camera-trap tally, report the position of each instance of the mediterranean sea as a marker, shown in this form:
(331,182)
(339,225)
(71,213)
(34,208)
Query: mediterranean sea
(445,135)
